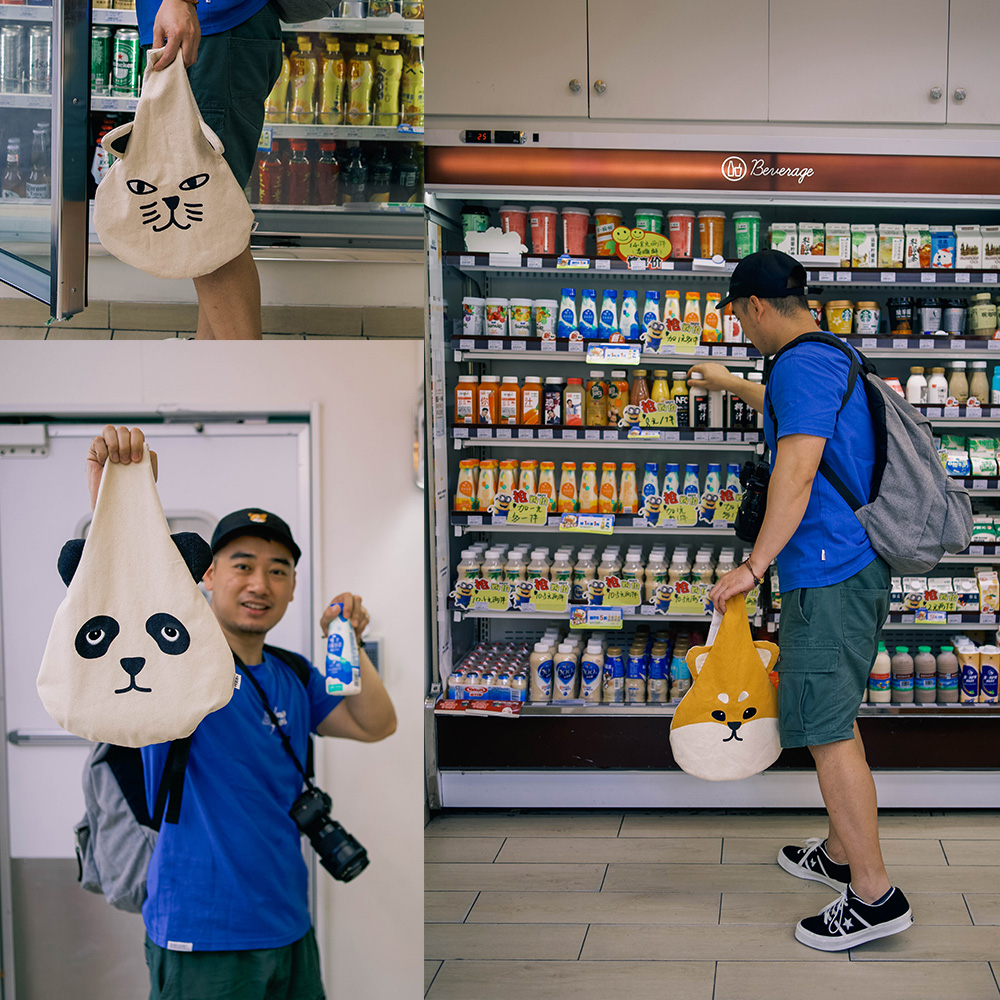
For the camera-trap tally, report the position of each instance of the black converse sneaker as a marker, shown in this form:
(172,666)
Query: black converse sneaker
(812,862)
(849,921)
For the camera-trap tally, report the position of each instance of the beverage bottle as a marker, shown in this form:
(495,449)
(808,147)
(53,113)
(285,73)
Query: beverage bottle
(493,567)
(754,418)
(737,416)
(487,488)
(692,476)
(465,492)
(937,388)
(608,499)
(566,674)
(360,83)
(958,385)
(469,567)
(679,394)
(711,329)
(680,674)
(38,185)
(514,569)
(702,571)
(635,674)
(733,477)
(596,401)
(607,325)
(465,399)
(618,397)
(978,386)
(531,401)
(640,387)
(659,673)
(332,84)
(692,308)
(671,478)
(633,568)
(698,405)
(628,497)
(388,75)
(650,481)
(327,174)
(727,563)
(276,104)
(591,672)
(568,498)
(354,184)
(902,676)
(583,572)
(880,677)
(547,483)
(299,170)
(562,567)
(947,675)
(381,178)
(567,325)
(925,679)
(916,386)
(304,72)
(538,568)
(713,478)
(343,659)
(271,177)
(552,400)
(588,314)
(540,672)
(508,476)
(613,678)
(573,403)
(412,89)
(629,324)
(660,390)
(408,177)
(656,572)
(12,184)
(995,387)
(672,309)
(679,566)
(650,309)
(529,477)
(588,489)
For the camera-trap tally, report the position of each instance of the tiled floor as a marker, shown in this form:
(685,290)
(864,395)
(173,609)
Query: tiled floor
(691,905)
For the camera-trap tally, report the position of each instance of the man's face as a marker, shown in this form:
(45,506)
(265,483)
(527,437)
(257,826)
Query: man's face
(252,581)
(747,312)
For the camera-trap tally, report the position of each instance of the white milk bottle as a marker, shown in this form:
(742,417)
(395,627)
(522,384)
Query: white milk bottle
(515,568)
(584,571)
(566,674)
(916,386)
(591,672)
(493,567)
(656,572)
(468,568)
(727,563)
(343,660)
(607,567)
(633,569)
(538,568)
(679,566)
(540,673)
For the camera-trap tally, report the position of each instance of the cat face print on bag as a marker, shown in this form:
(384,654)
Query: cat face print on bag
(170,205)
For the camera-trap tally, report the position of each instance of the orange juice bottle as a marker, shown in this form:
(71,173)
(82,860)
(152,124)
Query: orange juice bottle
(529,477)
(332,84)
(608,500)
(487,489)
(465,399)
(510,400)
(531,401)
(508,476)
(711,328)
(488,399)
(628,498)
(617,397)
(595,401)
(547,483)
(465,494)
(660,391)
(304,71)
(568,500)
(588,489)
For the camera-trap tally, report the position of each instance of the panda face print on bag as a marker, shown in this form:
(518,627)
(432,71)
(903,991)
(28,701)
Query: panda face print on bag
(170,210)
(135,655)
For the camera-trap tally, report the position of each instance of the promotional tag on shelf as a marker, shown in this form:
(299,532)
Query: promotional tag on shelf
(686,339)
(681,598)
(601,354)
(682,508)
(638,434)
(497,709)
(727,508)
(478,595)
(517,507)
(613,592)
(599,618)
(265,140)
(565,262)
(597,524)
(662,413)
(640,248)
(541,596)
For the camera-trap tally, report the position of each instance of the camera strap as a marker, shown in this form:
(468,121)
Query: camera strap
(285,741)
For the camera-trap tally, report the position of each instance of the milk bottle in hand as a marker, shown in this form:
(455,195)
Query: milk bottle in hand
(343,659)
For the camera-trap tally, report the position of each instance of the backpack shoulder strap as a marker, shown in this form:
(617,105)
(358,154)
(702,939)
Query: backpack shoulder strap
(300,667)
(126,766)
(168,796)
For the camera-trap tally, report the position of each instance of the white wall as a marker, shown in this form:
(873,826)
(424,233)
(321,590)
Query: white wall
(369,531)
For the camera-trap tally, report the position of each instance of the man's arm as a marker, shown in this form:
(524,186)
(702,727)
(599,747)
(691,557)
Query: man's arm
(177,28)
(718,376)
(115,444)
(367,716)
(795,465)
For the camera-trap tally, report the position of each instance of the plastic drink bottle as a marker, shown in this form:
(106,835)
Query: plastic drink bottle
(388,75)
(332,77)
(276,105)
(360,83)
(343,659)
(304,71)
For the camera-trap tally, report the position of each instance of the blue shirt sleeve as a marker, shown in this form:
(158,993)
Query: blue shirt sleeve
(321,704)
(806,393)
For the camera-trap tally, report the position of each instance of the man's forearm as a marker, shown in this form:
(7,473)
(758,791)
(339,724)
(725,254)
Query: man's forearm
(751,393)
(372,708)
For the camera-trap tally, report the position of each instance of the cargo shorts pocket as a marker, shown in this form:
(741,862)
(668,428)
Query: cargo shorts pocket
(862,615)
(809,691)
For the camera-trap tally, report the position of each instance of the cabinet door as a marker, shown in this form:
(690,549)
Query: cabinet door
(678,60)
(516,59)
(858,61)
(972,63)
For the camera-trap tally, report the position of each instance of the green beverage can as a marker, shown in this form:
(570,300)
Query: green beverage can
(125,63)
(650,219)
(747,226)
(100,59)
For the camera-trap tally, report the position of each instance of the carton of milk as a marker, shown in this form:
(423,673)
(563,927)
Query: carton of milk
(785,237)
(942,246)
(838,241)
(864,246)
(917,251)
(914,588)
(991,247)
(896,593)
(969,241)
(891,239)
(967,593)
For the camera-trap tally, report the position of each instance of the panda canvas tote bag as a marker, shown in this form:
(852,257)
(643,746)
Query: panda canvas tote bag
(135,655)
(170,205)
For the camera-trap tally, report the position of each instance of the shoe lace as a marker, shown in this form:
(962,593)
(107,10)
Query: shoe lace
(813,844)
(833,914)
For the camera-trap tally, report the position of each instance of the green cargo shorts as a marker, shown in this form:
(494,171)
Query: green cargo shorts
(289,973)
(828,639)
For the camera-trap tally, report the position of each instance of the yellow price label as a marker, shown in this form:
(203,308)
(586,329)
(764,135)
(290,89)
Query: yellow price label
(492,600)
(946,602)
(551,601)
(726,510)
(665,415)
(685,514)
(528,513)
(627,596)
(686,339)
(687,604)
(640,243)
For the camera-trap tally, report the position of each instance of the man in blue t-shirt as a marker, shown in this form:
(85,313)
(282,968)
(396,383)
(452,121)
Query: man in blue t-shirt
(232,49)
(834,588)
(227,912)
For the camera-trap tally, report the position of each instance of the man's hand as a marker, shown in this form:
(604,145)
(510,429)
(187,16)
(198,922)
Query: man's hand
(117,444)
(714,375)
(738,581)
(354,611)
(176,27)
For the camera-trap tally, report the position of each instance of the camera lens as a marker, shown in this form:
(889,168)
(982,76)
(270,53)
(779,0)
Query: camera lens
(339,853)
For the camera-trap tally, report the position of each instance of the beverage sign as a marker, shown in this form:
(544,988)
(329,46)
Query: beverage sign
(599,354)
(526,509)
(598,524)
(600,618)
(632,245)
(662,413)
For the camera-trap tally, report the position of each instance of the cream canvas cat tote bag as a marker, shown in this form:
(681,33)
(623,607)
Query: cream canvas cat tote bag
(135,655)
(170,205)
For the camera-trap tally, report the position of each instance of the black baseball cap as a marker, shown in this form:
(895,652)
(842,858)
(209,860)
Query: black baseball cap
(768,274)
(254,521)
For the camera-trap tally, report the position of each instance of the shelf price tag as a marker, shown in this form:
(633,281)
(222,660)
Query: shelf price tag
(518,345)
(467,260)
(265,140)
(989,277)
(596,618)
(962,277)
(887,277)
(533,263)
(602,264)
(597,524)
(505,259)
(843,276)
(826,275)
(566,262)
(600,354)
(575,347)
(643,434)
(926,345)
(899,343)
(973,411)
(548,346)
(928,278)
(494,345)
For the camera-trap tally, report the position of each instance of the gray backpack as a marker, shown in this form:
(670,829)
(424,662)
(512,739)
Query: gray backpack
(915,512)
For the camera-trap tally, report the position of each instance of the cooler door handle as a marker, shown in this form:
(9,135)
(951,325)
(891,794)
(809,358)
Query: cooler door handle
(600,86)
(936,93)
(960,94)
(574,86)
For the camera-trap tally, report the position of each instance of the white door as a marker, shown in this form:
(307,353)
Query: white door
(973,91)
(205,471)
(690,61)
(858,61)
(514,58)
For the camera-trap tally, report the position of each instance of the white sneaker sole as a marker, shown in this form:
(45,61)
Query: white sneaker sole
(807,873)
(846,941)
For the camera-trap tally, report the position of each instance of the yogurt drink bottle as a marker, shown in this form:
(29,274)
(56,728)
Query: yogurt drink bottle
(591,672)
(343,659)
(540,672)
(566,674)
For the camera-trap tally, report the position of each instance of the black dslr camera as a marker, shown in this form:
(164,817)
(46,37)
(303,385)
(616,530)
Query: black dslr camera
(339,853)
(754,477)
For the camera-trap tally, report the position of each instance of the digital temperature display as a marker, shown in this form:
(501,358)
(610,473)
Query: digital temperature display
(472,135)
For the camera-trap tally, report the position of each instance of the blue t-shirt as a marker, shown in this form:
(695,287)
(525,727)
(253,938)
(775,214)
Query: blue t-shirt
(805,388)
(214,16)
(230,875)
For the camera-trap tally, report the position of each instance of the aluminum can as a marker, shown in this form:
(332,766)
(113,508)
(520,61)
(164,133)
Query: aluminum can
(40,59)
(13,42)
(125,63)
(100,60)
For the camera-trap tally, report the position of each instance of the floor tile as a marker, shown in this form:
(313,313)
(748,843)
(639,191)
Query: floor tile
(929,908)
(430,971)
(604,849)
(59,332)
(575,980)
(331,320)
(764,851)
(714,823)
(957,824)
(465,849)
(25,312)
(596,907)
(528,878)
(516,942)
(985,907)
(698,944)
(708,878)
(535,824)
(167,316)
(854,981)
(972,852)
(933,944)
(448,907)
(950,878)
(22,332)
(145,335)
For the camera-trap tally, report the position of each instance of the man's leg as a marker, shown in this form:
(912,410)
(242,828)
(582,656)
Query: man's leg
(229,301)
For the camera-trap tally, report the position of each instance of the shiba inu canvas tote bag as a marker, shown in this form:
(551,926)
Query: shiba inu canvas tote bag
(726,726)
(135,655)
(170,205)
